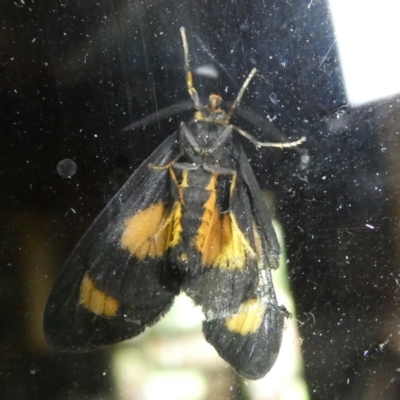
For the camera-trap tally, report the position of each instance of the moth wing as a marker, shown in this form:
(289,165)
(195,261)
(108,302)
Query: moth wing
(249,338)
(263,221)
(109,291)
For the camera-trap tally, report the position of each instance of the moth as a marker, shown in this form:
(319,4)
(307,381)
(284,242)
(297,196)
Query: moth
(190,219)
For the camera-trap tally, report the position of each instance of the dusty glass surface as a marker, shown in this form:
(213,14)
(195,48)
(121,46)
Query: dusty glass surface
(75,73)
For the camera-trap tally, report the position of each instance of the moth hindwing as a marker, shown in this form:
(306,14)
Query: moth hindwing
(191,219)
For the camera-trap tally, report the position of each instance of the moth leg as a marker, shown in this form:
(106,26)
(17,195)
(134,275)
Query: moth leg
(189,76)
(258,144)
(167,166)
(220,139)
(241,93)
(186,166)
(215,169)
(184,131)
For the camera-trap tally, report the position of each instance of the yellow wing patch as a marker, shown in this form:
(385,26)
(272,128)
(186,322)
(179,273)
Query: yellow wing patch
(95,300)
(219,238)
(248,319)
(152,231)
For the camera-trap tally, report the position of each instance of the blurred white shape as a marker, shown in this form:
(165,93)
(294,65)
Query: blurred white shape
(207,70)
(368,35)
(176,386)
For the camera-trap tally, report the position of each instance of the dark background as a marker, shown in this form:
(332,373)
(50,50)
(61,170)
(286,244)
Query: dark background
(73,74)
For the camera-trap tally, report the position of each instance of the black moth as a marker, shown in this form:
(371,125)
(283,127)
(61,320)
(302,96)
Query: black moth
(191,219)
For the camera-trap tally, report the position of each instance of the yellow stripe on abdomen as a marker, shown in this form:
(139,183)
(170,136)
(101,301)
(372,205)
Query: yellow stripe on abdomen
(219,239)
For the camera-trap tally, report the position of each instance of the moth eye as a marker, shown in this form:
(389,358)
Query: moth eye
(183,258)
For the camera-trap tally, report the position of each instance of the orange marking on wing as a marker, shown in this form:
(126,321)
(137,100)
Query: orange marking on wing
(142,236)
(248,319)
(95,300)
(152,231)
